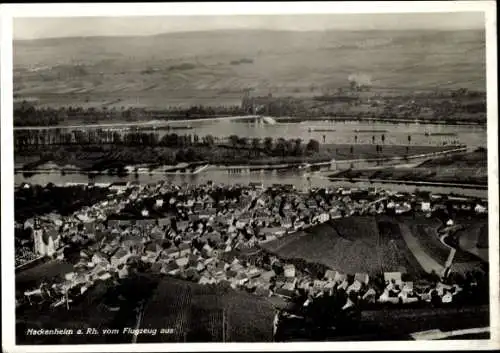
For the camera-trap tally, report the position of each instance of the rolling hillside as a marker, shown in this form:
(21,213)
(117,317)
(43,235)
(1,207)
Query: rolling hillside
(350,245)
(215,67)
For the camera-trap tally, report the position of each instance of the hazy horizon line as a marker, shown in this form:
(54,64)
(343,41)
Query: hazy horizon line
(27,39)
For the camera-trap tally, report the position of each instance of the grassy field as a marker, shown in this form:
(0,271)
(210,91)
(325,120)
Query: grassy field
(199,68)
(88,157)
(425,232)
(350,245)
(476,159)
(369,151)
(429,239)
(457,168)
(474,239)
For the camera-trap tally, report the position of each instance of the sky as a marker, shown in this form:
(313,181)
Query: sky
(34,28)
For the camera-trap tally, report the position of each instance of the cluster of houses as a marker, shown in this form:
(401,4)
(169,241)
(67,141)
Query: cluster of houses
(198,233)
(398,291)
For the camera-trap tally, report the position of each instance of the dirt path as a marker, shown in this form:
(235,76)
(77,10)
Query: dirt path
(427,262)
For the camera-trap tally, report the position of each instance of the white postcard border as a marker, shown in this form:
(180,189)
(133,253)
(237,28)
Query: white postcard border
(7,12)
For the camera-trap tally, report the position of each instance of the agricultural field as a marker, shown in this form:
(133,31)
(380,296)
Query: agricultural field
(196,313)
(425,232)
(107,156)
(369,151)
(475,159)
(350,245)
(397,255)
(467,168)
(216,68)
(474,239)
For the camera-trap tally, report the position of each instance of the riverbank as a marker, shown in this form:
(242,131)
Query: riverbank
(398,120)
(414,182)
(465,169)
(100,158)
(300,175)
(394,175)
(168,120)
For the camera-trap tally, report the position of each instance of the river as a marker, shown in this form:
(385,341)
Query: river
(345,132)
(300,179)
(327,131)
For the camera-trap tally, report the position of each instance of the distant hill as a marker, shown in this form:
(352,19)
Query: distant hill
(152,69)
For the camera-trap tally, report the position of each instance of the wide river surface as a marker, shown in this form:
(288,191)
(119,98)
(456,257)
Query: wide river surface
(301,180)
(330,132)
(327,131)
(343,132)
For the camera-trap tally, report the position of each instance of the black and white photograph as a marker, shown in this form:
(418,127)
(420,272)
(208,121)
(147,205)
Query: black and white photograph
(180,176)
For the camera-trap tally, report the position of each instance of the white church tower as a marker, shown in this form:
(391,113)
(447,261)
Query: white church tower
(37,237)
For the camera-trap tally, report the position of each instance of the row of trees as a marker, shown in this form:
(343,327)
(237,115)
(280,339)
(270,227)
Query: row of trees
(37,200)
(279,147)
(448,105)
(27,114)
(382,138)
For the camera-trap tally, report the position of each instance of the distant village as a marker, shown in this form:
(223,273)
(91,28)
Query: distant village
(210,234)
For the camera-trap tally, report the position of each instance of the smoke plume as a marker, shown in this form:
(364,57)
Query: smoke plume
(360,80)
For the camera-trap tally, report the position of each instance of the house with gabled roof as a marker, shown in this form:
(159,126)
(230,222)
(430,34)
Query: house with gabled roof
(182,262)
(284,292)
(184,249)
(100,258)
(254,272)
(362,277)
(120,256)
(289,270)
(169,267)
(330,275)
(393,277)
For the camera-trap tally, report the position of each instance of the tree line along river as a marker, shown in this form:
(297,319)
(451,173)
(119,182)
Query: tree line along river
(326,131)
